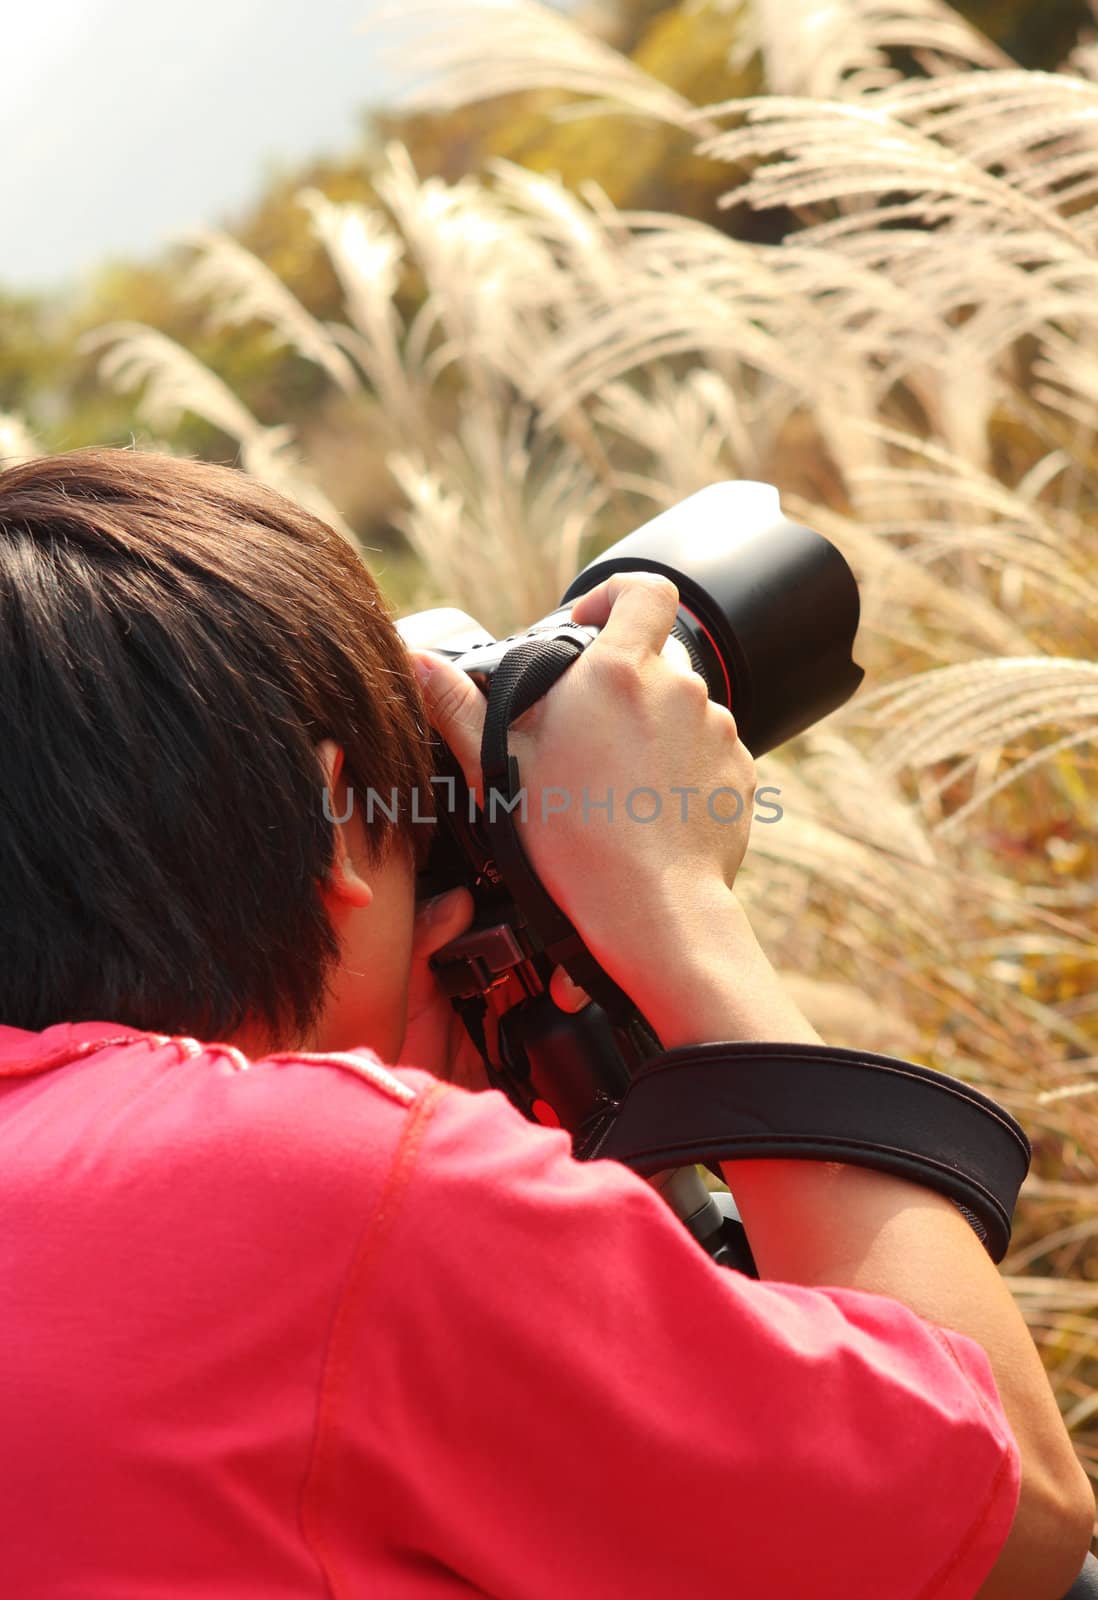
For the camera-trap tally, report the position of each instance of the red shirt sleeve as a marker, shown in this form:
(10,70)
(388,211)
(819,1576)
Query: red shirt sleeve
(542,1384)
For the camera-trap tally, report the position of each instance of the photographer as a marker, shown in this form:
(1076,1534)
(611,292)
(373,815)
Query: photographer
(293,1304)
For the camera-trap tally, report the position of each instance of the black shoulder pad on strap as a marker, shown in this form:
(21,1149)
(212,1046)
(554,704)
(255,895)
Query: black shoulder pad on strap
(738,1101)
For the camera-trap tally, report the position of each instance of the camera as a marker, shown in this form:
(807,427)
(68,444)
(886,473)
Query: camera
(768,612)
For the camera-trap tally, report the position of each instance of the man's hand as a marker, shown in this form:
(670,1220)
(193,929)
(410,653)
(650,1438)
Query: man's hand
(651,900)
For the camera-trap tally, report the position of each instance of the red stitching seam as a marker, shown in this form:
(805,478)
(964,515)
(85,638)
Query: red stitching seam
(340,1355)
(933,1587)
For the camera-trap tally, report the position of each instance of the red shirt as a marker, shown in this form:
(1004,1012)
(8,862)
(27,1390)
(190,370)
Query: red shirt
(314,1327)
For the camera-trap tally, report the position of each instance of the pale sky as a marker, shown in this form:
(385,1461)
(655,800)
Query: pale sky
(124,121)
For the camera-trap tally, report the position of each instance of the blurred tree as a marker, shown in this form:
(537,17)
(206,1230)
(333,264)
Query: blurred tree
(44,374)
(640,164)
(275,229)
(24,351)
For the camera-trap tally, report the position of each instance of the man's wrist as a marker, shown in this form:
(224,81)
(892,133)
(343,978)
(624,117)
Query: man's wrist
(709,978)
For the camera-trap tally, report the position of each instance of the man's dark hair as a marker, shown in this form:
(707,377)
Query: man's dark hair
(175,639)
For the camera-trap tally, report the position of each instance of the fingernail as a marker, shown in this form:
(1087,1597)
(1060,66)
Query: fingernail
(427,663)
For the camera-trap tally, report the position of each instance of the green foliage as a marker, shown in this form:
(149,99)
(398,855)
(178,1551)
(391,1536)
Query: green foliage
(44,375)
(25,356)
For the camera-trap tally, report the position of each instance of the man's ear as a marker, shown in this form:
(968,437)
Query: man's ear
(344,881)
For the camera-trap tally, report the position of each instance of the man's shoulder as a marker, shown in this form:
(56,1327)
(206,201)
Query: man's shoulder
(320,1105)
(328,1121)
(348,1099)
(183,1100)
(177,1108)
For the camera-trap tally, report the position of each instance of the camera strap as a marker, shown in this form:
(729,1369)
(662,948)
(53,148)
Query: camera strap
(711,1103)
(745,1101)
(525,674)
